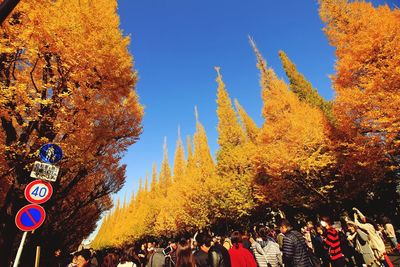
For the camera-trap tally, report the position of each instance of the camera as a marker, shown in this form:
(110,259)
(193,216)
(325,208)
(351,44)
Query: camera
(167,250)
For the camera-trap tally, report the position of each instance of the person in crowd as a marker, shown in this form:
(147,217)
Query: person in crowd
(150,247)
(347,250)
(58,259)
(172,255)
(93,258)
(129,259)
(308,232)
(218,255)
(141,253)
(390,233)
(279,239)
(184,255)
(266,250)
(110,260)
(359,239)
(240,256)
(74,261)
(294,248)
(83,258)
(319,247)
(246,240)
(375,240)
(201,255)
(333,243)
(227,243)
(157,257)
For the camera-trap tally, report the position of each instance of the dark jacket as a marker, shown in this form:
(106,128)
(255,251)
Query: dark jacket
(201,258)
(218,256)
(295,253)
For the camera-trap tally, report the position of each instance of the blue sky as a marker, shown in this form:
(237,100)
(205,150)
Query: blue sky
(177,43)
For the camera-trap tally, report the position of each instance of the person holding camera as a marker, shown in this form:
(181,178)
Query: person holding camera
(157,258)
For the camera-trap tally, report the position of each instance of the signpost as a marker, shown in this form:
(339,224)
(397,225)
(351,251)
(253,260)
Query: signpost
(38,192)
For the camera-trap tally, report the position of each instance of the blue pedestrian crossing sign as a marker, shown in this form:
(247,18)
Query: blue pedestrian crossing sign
(51,153)
(30,217)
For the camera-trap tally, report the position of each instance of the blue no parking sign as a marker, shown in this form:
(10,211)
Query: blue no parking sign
(30,217)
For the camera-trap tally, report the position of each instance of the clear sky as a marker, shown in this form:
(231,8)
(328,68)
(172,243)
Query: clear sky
(177,43)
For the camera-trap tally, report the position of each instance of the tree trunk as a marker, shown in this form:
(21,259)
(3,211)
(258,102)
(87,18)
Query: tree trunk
(6,8)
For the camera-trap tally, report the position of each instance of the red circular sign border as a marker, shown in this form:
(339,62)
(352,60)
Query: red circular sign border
(32,184)
(25,208)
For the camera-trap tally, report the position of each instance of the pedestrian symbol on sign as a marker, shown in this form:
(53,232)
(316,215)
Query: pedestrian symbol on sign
(50,153)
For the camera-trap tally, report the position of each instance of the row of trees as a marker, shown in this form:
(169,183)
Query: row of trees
(66,77)
(308,154)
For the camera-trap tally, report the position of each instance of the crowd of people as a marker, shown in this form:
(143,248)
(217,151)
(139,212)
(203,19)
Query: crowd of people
(357,241)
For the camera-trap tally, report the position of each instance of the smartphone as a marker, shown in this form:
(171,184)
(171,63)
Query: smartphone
(167,250)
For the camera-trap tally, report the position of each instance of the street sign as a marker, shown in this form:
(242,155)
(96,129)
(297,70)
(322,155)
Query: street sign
(30,217)
(45,171)
(38,192)
(51,153)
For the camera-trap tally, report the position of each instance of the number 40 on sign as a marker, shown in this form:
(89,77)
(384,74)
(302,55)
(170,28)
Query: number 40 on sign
(38,192)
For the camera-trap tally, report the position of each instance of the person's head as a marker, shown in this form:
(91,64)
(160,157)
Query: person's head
(385,220)
(351,226)
(325,222)
(128,255)
(310,225)
(162,243)
(83,258)
(57,252)
(92,252)
(285,226)
(236,239)
(372,222)
(216,240)
(227,243)
(204,241)
(110,260)
(184,256)
(263,233)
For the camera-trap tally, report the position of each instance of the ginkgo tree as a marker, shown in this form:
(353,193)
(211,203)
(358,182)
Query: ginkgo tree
(66,77)
(309,153)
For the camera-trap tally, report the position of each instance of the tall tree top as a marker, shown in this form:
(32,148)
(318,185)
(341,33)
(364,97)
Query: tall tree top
(303,88)
(165,172)
(179,159)
(229,129)
(249,125)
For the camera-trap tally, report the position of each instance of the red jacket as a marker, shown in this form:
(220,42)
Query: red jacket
(241,257)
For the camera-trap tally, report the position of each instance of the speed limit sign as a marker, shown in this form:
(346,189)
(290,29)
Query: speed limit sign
(38,192)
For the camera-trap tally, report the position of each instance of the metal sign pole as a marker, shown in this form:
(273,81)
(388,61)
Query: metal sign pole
(37,256)
(21,246)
